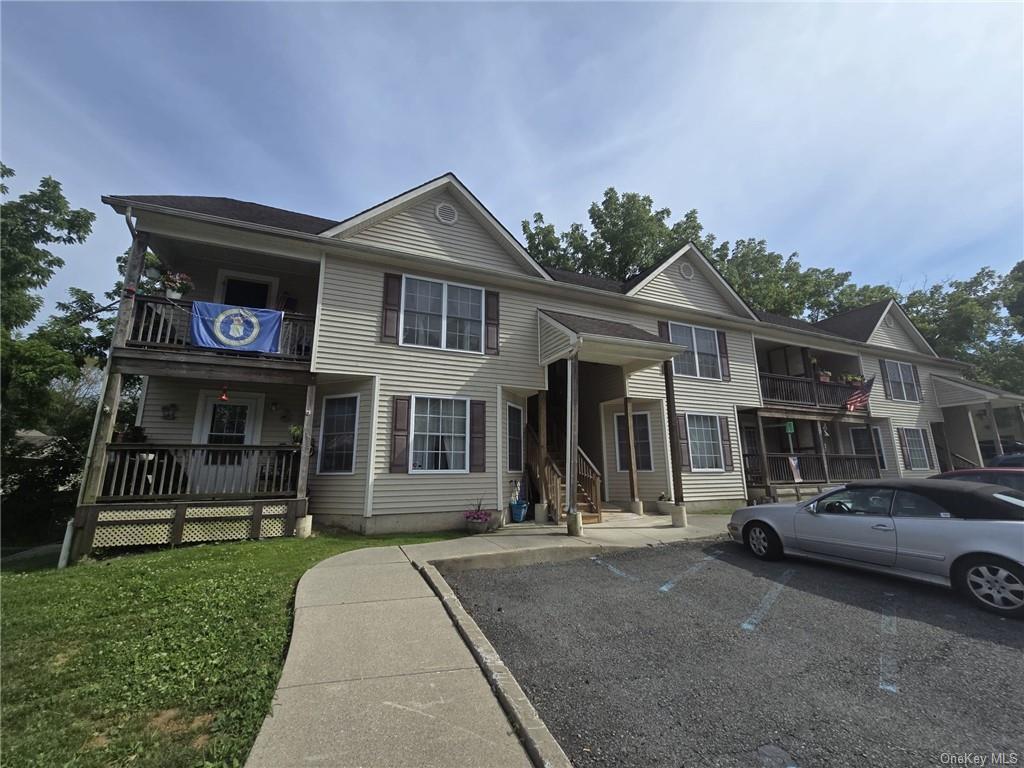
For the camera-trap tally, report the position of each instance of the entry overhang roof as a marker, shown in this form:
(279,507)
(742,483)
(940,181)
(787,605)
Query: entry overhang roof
(596,340)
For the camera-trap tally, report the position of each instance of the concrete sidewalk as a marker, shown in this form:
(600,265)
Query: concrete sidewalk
(378,675)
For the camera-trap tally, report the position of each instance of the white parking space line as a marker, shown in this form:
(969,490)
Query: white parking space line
(767,602)
(888,667)
(700,565)
(612,568)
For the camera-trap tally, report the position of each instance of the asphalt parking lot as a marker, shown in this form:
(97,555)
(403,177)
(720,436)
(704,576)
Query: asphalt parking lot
(699,655)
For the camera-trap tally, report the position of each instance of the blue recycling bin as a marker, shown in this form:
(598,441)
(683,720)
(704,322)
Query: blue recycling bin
(518,511)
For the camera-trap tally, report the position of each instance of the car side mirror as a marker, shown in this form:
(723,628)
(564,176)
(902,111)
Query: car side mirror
(812,507)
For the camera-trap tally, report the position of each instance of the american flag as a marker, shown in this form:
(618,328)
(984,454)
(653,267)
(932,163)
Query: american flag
(859,397)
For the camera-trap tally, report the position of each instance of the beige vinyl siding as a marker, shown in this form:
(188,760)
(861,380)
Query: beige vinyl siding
(341,494)
(717,486)
(161,391)
(948,394)
(697,292)
(896,336)
(651,484)
(554,341)
(417,230)
(903,414)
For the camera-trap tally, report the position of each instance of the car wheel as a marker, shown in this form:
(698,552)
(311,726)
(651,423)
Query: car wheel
(762,541)
(993,583)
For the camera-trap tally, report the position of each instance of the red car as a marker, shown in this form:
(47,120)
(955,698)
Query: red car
(1011,477)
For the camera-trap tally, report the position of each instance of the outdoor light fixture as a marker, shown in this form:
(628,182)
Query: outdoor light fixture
(223,394)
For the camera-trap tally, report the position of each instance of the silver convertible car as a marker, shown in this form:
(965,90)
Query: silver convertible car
(968,536)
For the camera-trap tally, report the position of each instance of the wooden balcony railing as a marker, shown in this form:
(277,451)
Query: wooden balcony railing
(161,323)
(589,481)
(811,468)
(187,471)
(799,390)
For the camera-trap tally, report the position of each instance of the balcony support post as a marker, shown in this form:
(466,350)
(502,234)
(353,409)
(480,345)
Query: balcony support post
(110,392)
(634,489)
(819,446)
(764,456)
(675,448)
(995,428)
(876,448)
(307,442)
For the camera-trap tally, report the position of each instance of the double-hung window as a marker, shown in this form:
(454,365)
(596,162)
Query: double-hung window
(442,315)
(440,434)
(338,434)
(701,356)
(917,447)
(705,443)
(515,438)
(902,383)
(641,439)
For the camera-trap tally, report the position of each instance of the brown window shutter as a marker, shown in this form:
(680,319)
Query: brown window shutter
(391,309)
(477,436)
(400,407)
(904,448)
(492,315)
(885,380)
(723,357)
(927,444)
(726,438)
(684,443)
(917,383)
(663,330)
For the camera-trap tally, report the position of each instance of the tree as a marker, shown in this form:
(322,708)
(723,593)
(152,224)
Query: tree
(978,321)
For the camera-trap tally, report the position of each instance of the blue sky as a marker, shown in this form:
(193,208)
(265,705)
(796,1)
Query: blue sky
(882,139)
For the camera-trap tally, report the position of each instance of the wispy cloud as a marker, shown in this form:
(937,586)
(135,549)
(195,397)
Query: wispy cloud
(885,139)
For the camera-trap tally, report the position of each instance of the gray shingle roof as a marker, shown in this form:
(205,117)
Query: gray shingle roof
(856,324)
(238,210)
(599,327)
(589,281)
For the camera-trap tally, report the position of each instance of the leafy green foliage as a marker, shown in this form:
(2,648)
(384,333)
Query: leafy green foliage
(979,320)
(160,660)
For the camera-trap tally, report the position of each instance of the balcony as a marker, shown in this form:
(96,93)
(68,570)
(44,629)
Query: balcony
(809,468)
(153,472)
(806,392)
(163,324)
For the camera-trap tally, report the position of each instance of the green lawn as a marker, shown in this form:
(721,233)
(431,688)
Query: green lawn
(161,659)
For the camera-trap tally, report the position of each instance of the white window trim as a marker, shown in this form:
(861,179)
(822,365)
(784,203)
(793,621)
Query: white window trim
(320,441)
(650,441)
(444,316)
(910,455)
(689,444)
(412,435)
(693,348)
(892,391)
(204,412)
(223,275)
(877,431)
(522,440)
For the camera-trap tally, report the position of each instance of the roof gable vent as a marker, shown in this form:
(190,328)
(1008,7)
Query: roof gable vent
(446,213)
(686,270)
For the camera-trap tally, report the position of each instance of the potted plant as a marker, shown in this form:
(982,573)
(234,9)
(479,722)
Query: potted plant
(176,284)
(824,376)
(517,507)
(295,431)
(477,518)
(665,504)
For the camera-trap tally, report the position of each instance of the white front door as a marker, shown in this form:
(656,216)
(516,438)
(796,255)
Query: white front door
(218,470)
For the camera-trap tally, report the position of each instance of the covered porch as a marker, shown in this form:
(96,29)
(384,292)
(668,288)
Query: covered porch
(795,452)
(979,422)
(595,439)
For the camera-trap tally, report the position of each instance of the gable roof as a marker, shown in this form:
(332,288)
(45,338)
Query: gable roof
(450,183)
(857,324)
(229,208)
(588,281)
(599,327)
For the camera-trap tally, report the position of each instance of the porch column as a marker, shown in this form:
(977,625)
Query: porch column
(676,467)
(764,456)
(819,446)
(878,449)
(572,442)
(110,394)
(540,511)
(307,442)
(995,427)
(635,505)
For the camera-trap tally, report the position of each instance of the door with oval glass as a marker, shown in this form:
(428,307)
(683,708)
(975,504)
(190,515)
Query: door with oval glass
(218,467)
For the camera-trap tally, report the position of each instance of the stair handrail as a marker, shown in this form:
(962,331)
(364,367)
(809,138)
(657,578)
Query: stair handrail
(965,460)
(589,481)
(547,475)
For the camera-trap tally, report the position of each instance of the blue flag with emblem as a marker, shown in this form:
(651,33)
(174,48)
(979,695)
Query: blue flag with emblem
(240,329)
